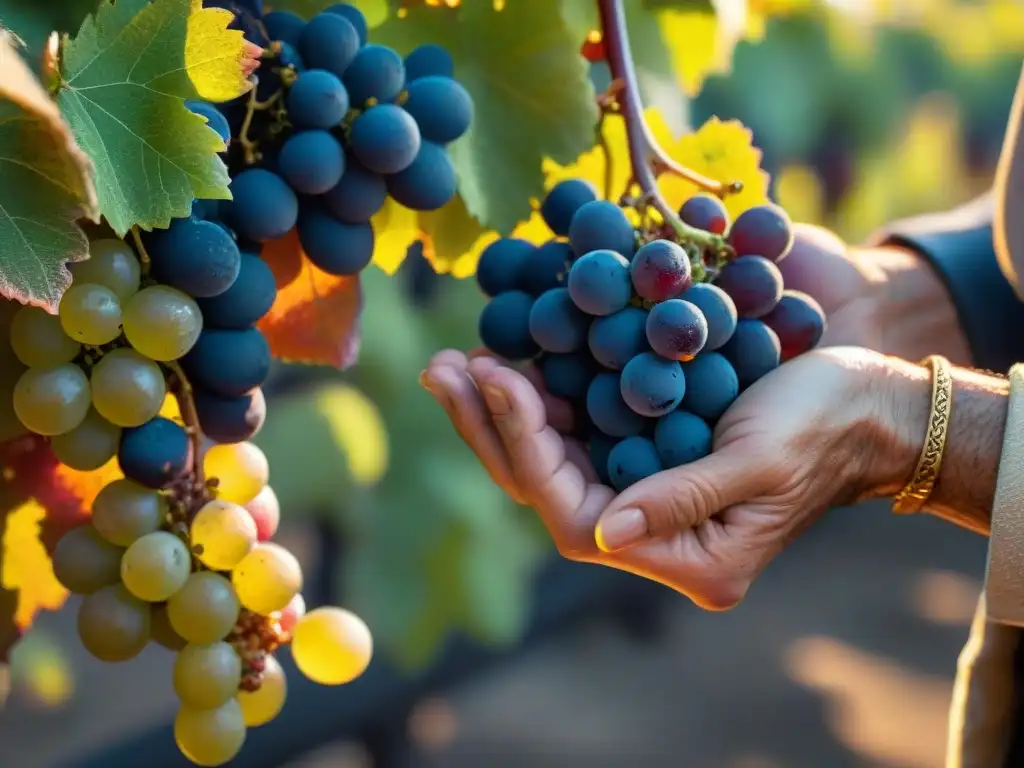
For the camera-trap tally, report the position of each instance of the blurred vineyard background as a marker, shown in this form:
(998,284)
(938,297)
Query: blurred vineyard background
(493,654)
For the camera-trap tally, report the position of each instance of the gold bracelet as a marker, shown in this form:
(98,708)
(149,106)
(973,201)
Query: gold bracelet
(915,493)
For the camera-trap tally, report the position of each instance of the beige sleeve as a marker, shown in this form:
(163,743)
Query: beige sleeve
(1004,583)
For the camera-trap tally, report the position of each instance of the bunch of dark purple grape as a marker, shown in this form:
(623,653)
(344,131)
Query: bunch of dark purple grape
(618,326)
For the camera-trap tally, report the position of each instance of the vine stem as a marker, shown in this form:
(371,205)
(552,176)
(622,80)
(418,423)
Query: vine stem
(182,391)
(140,249)
(646,157)
(250,147)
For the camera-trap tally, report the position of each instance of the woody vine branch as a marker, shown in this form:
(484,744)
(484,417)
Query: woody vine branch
(647,158)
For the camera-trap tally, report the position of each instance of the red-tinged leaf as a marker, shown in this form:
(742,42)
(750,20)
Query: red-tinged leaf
(315,318)
(40,500)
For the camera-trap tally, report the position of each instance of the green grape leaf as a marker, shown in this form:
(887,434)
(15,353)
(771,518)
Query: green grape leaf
(33,20)
(532,93)
(45,186)
(125,78)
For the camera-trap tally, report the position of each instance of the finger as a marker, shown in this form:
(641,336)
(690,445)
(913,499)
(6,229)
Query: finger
(802,267)
(689,563)
(577,453)
(560,413)
(682,498)
(452,357)
(456,392)
(552,483)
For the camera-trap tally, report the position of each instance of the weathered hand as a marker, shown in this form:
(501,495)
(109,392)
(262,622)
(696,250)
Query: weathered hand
(805,437)
(884,298)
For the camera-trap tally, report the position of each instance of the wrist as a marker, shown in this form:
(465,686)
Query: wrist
(914,310)
(896,400)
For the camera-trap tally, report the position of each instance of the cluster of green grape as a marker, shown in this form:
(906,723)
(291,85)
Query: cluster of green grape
(178,551)
(84,385)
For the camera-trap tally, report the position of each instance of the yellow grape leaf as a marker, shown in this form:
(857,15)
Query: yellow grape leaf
(217,59)
(315,318)
(83,487)
(723,151)
(26,567)
(39,501)
(701,42)
(357,427)
(449,234)
(395,228)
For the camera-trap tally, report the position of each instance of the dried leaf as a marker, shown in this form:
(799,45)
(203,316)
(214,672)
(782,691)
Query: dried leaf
(315,318)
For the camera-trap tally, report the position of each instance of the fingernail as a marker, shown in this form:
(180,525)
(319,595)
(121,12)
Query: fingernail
(427,383)
(620,529)
(497,400)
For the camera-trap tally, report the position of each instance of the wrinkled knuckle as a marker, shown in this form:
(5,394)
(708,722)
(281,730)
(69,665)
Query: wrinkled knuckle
(692,501)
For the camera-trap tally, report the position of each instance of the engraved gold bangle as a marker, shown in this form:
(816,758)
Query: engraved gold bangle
(914,495)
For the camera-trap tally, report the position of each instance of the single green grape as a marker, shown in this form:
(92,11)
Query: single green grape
(39,340)
(113,625)
(205,609)
(125,511)
(52,401)
(261,706)
(90,314)
(112,263)
(210,737)
(162,323)
(84,562)
(331,646)
(222,534)
(267,578)
(88,446)
(156,566)
(127,388)
(206,676)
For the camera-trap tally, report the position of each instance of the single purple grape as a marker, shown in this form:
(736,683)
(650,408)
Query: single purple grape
(705,212)
(764,230)
(799,322)
(677,329)
(660,270)
(753,283)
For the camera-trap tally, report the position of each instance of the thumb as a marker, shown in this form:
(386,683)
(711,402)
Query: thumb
(681,498)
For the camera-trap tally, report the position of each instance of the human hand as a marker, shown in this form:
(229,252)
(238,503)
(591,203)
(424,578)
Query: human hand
(884,298)
(818,431)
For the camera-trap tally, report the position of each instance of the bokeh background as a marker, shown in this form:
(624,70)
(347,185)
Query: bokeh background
(494,653)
